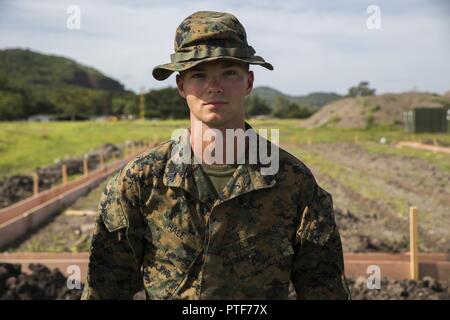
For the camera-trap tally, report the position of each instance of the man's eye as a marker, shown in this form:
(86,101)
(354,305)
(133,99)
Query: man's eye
(230,72)
(198,75)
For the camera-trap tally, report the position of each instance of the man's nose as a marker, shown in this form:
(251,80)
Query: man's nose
(214,85)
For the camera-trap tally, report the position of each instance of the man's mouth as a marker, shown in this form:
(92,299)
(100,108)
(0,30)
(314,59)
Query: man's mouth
(215,103)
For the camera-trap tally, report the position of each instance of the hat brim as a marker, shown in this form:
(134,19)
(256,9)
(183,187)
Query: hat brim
(163,71)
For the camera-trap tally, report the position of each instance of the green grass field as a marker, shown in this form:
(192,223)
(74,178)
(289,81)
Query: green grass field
(24,146)
(342,160)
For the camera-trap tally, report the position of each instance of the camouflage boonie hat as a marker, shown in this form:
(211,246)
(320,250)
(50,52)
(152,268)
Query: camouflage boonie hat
(207,36)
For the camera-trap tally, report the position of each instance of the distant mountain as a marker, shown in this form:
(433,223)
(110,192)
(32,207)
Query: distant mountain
(34,83)
(25,67)
(314,100)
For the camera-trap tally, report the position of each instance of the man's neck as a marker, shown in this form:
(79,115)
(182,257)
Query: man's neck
(201,140)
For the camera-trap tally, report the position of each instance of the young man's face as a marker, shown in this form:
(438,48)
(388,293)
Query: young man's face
(215,92)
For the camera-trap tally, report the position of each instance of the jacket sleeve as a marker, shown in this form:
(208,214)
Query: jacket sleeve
(114,270)
(318,263)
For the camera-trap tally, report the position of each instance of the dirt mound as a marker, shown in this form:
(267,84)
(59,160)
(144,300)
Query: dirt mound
(19,187)
(362,112)
(46,284)
(425,289)
(41,284)
(447,94)
(14,189)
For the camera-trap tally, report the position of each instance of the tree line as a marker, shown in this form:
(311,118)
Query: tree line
(20,103)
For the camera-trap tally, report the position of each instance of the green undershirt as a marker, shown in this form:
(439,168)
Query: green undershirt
(219,174)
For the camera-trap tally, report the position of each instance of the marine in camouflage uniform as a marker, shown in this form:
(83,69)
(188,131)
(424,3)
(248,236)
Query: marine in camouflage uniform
(162,227)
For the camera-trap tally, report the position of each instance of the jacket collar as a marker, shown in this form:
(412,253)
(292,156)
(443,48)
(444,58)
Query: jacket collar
(181,172)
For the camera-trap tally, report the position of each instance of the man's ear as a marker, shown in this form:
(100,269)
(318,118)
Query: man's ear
(250,79)
(180,86)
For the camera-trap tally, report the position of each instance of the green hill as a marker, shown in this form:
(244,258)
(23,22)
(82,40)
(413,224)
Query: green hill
(34,83)
(24,67)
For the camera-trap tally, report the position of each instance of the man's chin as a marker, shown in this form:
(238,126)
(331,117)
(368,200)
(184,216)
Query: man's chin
(214,121)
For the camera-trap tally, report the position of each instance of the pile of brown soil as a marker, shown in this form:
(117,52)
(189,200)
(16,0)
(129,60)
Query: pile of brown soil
(41,284)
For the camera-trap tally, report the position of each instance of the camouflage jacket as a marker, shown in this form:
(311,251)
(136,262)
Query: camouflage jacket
(161,228)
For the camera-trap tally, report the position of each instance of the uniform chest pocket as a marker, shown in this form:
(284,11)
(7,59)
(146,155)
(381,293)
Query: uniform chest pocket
(260,261)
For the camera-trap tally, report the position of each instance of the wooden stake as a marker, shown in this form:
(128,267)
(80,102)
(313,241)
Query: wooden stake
(413,244)
(64,173)
(35,183)
(85,166)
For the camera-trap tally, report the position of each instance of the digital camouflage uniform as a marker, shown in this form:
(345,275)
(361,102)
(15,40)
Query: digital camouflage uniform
(162,227)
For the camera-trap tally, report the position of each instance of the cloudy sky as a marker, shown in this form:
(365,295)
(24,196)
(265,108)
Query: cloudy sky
(314,46)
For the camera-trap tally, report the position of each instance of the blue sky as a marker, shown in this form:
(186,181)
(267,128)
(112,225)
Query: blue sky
(314,46)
